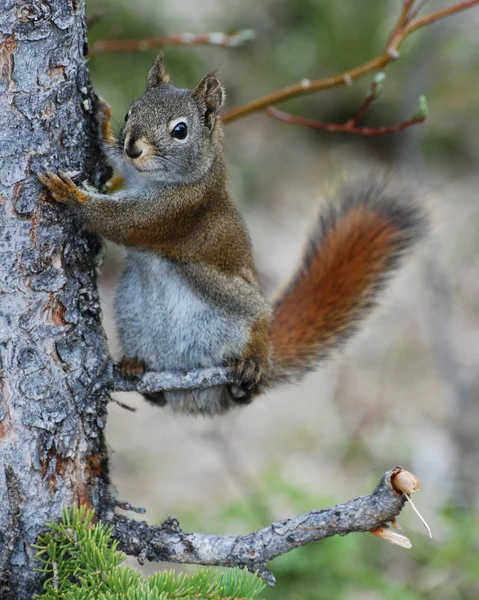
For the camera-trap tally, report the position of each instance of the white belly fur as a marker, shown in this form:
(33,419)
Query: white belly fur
(175,329)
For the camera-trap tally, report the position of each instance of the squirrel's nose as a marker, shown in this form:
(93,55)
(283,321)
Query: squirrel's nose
(131,150)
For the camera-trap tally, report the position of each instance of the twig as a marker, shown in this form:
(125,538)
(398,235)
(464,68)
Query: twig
(419,6)
(375,90)
(348,127)
(179,380)
(226,40)
(400,32)
(123,405)
(129,507)
(419,22)
(167,542)
(403,18)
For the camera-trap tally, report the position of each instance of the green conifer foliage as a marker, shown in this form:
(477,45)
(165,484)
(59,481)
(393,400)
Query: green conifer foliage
(81,561)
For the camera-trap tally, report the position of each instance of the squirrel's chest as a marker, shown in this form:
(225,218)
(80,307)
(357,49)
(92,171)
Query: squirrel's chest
(174,328)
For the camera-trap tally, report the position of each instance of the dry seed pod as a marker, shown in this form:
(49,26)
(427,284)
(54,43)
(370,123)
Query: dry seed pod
(404,482)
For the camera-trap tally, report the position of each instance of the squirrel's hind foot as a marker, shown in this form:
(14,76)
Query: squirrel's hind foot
(248,374)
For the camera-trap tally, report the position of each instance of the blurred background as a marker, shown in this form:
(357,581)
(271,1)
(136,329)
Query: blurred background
(405,391)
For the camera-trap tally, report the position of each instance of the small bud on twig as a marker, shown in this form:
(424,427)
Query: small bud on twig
(422,111)
(406,24)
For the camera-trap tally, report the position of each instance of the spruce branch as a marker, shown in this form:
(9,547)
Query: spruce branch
(406,23)
(167,542)
(81,561)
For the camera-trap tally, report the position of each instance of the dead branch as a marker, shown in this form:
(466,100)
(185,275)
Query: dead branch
(168,543)
(406,23)
(167,381)
(225,40)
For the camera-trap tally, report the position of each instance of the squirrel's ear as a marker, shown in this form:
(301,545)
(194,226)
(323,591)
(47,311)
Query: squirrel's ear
(209,95)
(157,75)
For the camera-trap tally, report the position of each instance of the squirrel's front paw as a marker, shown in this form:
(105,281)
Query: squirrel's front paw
(62,188)
(248,373)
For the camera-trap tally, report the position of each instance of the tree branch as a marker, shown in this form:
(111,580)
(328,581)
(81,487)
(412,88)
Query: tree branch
(226,40)
(419,22)
(404,26)
(153,381)
(349,127)
(167,542)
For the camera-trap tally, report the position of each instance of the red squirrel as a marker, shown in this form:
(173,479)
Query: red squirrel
(189,296)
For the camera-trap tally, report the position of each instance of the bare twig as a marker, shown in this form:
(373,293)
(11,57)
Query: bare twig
(127,506)
(351,126)
(375,90)
(419,22)
(236,38)
(169,543)
(418,7)
(123,405)
(348,127)
(402,20)
(402,29)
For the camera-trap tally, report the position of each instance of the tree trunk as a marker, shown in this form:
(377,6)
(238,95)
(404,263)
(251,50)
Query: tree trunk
(52,345)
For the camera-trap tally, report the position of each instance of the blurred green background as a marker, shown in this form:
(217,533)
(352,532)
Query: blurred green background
(406,389)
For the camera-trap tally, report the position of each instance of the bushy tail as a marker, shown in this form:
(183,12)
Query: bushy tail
(356,245)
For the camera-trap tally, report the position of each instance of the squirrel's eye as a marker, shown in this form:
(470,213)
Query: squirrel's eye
(126,116)
(180,131)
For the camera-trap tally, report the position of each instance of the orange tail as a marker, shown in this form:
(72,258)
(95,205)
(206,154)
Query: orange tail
(358,242)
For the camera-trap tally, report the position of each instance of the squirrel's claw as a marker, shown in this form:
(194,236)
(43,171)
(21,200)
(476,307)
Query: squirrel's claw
(248,373)
(62,188)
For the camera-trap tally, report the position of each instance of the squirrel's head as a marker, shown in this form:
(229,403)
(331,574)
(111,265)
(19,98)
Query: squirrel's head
(173,135)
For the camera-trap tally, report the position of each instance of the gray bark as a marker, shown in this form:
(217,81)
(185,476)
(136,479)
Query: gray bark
(166,381)
(168,542)
(52,346)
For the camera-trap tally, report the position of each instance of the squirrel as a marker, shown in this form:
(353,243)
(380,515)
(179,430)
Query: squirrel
(189,296)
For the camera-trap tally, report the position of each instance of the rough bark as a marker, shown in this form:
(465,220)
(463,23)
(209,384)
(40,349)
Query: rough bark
(167,381)
(52,346)
(168,542)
